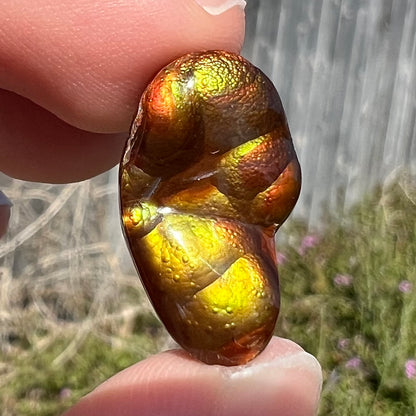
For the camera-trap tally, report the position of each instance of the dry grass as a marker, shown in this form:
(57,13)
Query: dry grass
(64,284)
(72,311)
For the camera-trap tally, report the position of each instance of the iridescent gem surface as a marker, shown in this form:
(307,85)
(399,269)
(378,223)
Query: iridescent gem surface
(208,175)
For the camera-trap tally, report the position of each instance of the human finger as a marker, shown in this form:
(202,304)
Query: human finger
(87,63)
(283,380)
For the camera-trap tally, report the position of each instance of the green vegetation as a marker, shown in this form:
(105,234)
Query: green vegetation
(44,377)
(40,386)
(348,297)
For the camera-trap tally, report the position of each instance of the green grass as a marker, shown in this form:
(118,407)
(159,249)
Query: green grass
(360,326)
(364,330)
(46,379)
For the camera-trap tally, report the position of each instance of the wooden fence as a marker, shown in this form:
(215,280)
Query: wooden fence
(346,73)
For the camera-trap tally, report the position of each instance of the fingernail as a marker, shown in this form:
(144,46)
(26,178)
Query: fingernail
(216,7)
(4,201)
(287,385)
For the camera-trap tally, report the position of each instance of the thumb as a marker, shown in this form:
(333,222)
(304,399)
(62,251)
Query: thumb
(87,61)
(284,380)
(85,64)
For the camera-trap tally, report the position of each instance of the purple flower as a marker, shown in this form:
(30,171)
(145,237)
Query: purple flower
(65,393)
(281,258)
(343,343)
(343,280)
(354,363)
(410,368)
(308,242)
(405,286)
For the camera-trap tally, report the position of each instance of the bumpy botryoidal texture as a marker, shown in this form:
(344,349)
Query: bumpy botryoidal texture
(208,174)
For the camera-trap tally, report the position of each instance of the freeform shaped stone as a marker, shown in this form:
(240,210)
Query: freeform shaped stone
(208,175)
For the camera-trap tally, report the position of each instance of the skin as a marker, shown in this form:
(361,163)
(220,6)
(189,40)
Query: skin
(282,381)
(71,73)
(87,63)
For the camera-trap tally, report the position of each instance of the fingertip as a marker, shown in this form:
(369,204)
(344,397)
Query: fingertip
(170,383)
(283,380)
(77,68)
(37,146)
(93,70)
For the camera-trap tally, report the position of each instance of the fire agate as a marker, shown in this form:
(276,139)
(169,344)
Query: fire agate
(208,175)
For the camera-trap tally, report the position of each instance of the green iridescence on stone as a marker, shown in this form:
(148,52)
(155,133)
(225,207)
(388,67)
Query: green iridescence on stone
(208,175)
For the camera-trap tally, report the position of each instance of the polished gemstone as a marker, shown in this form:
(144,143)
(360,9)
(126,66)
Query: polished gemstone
(208,175)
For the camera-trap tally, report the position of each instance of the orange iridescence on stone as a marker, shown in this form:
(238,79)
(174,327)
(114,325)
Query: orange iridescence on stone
(208,175)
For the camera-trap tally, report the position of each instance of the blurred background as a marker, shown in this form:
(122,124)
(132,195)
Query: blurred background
(345,70)
(72,310)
